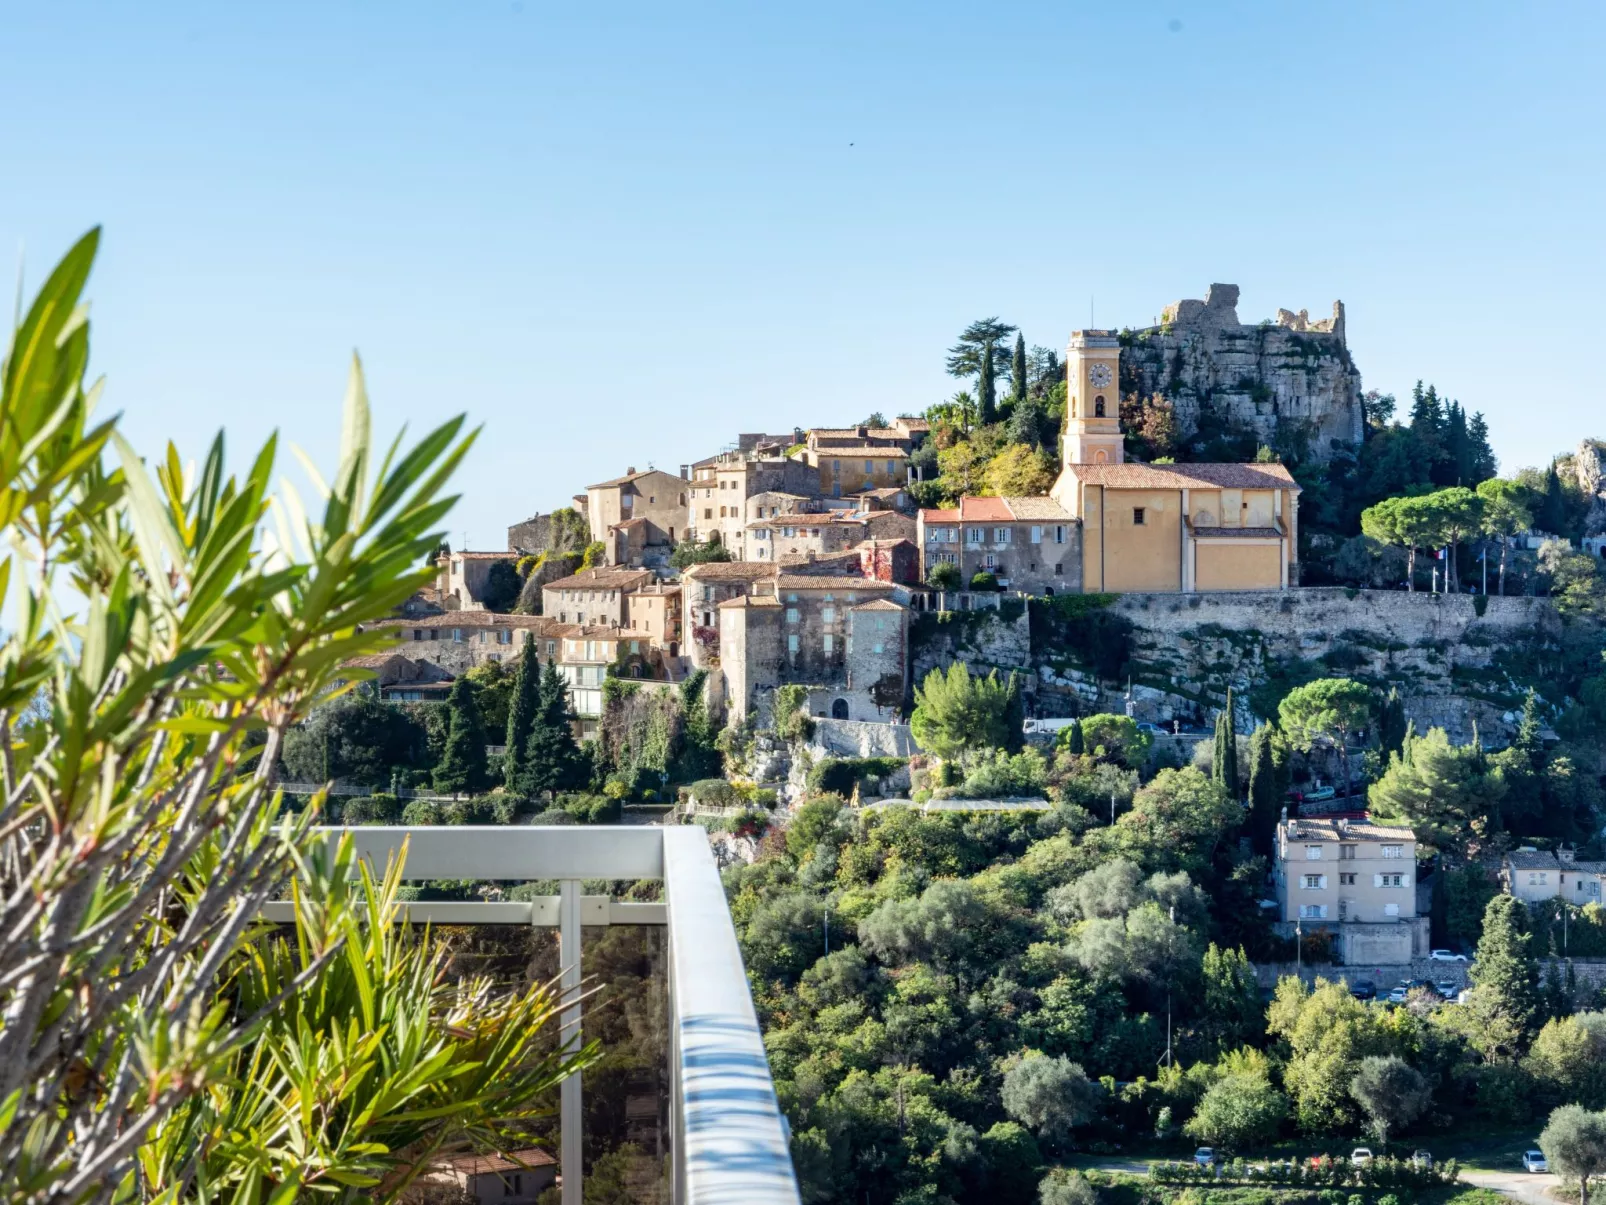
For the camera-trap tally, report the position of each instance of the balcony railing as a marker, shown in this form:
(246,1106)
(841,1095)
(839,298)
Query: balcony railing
(729,1138)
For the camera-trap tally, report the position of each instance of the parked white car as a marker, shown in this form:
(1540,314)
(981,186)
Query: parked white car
(1535,1161)
(1205,1156)
(1446,956)
(1398,995)
(1361,1156)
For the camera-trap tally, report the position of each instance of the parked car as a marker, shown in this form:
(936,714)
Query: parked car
(1363,989)
(1412,984)
(1151,729)
(1397,995)
(1421,1159)
(1206,1156)
(1361,1156)
(1446,956)
(1535,1161)
(1463,995)
(1448,988)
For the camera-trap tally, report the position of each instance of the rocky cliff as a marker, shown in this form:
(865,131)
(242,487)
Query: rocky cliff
(1291,382)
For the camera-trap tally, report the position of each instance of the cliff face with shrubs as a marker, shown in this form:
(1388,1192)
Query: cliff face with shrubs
(1290,382)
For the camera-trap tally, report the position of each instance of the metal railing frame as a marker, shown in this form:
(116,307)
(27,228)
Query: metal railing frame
(730,1140)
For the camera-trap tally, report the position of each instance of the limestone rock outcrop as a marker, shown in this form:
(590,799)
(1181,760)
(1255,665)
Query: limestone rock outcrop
(1589,467)
(1291,381)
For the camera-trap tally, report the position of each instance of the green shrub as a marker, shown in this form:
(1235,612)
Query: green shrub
(372,809)
(552,816)
(421,813)
(505,810)
(1480,604)
(839,774)
(584,808)
(984,581)
(791,711)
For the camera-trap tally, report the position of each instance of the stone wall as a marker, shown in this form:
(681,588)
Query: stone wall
(851,738)
(1288,380)
(1187,649)
(999,639)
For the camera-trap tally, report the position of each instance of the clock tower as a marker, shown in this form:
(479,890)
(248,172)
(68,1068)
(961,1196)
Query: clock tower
(1093,399)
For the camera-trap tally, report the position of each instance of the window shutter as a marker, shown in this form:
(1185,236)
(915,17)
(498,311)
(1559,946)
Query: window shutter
(1377,880)
(1324,882)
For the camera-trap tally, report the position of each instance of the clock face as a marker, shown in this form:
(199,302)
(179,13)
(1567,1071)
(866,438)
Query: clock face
(1100,376)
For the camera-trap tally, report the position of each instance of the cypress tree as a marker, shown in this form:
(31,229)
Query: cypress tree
(1224,753)
(1527,740)
(462,766)
(552,757)
(1506,999)
(1391,723)
(1014,716)
(1264,796)
(986,390)
(1552,516)
(1076,742)
(521,716)
(1018,369)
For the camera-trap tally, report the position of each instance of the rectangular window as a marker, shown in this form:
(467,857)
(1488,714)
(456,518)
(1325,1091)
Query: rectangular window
(1059,571)
(1059,535)
(457,635)
(828,614)
(869,466)
(791,643)
(1393,851)
(829,642)
(1000,535)
(973,535)
(1313,853)
(418,633)
(788,532)
(708,512)
(1137,516)
(1315,881)
(877,648)
(1346,853)
(1037,535)
(990,561)
(892,468)
(1391,909)
(1313,911)
(1346,880)
(791,614)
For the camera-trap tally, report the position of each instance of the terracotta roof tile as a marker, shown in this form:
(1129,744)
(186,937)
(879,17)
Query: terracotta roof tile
(480,1165)
(864,585)
(1326,828)
(1239,533)
(612,577)
(878,604)
(984,510)
(940,516)
(1185,476)
(1038,508)
(713,571)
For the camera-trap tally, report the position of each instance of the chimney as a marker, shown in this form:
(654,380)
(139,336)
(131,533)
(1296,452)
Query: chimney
(1565,854)
(864,432)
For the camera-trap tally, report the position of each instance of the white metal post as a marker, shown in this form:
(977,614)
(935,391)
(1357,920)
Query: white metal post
(570,1117)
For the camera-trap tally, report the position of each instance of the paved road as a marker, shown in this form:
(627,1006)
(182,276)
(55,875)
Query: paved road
(1527,1188)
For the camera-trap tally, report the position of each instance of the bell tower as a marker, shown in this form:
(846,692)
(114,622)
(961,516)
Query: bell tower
(1093,399)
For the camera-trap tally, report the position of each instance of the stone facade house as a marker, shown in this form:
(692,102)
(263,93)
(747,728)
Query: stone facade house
(703,588)
(842,637)
(403,680)
(1028,544)
(458,641)
(461,577)
(848,466)
(722,486)
(659,499)
(1534,875)
(654,611)
(594,596)
(1356,878)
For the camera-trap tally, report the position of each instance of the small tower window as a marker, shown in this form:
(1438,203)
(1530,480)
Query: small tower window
(1137,516)
(1098,406)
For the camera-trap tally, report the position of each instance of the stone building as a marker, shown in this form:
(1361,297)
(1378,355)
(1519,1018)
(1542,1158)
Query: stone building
(458,641)
(461,578)
(401,679)
(1533,875)
(843,638)
(1356,878)
(653,610)
(659,499)
(722,485)
(1152,527)
(703,588)
(854,466)
(1028,544)
(593,596)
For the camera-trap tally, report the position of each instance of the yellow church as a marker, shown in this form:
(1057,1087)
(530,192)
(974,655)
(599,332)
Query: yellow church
(1164,527)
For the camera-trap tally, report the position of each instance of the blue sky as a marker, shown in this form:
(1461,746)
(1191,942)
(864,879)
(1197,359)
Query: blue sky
(621,234)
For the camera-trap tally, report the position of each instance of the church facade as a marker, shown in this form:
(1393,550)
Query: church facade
(1158,527)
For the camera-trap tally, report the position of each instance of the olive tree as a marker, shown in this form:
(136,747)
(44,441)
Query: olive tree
(1574,1143)
(1392,1092)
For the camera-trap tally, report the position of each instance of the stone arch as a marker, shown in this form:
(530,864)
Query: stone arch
(839,709)
(1098,406)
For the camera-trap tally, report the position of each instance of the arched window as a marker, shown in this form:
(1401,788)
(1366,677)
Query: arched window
(1100,458)
(839,709)
(1098,406)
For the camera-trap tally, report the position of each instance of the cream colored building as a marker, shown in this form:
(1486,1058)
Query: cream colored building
(1174,527)
(593,596)
(1356,877)
(1533,875)
(659,499)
